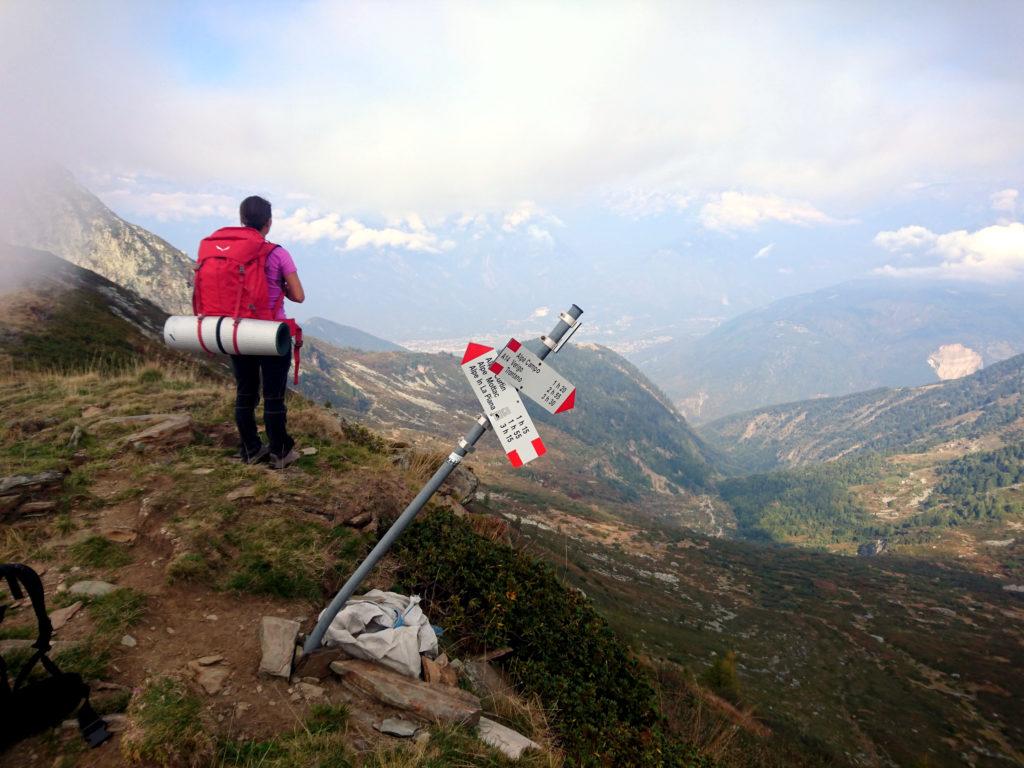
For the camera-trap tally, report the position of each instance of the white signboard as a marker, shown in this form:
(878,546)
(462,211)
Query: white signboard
(541,383)
(504,409)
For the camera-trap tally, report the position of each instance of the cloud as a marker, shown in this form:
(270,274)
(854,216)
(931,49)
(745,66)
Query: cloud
(540,312)
(1006,201)
(740,211)
(305,225)
(130,198)
(905,239)
(636,203)
(990,254)
(764,252)
(433,107)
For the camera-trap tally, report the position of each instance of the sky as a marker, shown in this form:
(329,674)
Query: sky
(441,169)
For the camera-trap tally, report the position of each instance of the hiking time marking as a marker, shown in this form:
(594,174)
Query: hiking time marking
(541,383)
(504,409)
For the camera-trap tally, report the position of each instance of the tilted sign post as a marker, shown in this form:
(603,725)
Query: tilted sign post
(497,380)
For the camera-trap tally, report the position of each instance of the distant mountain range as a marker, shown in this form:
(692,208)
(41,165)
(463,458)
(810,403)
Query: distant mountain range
(345,336)
(854,337)
(882,420)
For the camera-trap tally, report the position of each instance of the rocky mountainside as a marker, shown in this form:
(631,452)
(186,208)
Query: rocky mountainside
(884,420)
(52,212)
(623,439)
(850,338)
(347,337)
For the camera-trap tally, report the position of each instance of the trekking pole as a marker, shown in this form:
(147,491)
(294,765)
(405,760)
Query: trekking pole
(465,446)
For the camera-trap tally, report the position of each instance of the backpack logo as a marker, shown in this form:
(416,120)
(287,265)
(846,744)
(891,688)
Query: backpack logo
(225,248)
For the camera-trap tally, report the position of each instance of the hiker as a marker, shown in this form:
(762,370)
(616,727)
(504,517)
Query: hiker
(226,289)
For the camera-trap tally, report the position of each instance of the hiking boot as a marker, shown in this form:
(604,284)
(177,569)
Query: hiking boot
(263,454)
(280,462)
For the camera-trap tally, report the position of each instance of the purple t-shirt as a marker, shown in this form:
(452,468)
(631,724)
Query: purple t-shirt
(279,264)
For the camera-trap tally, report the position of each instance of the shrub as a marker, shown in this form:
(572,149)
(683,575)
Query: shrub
(487,595)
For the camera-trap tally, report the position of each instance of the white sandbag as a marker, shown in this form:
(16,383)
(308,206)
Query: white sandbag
(385,627)
(255,337)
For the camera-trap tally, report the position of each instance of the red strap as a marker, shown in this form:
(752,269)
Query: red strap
(297,348)
(199,332)
(234,336)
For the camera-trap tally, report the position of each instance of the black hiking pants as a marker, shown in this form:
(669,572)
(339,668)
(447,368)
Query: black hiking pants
(249,369)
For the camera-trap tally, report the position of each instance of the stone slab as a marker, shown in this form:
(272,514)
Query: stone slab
(277,645)
(431,703)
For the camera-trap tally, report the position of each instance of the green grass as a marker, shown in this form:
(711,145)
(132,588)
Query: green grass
(289,558)
(116,612)
(100,552)
(169,729)
(321,742)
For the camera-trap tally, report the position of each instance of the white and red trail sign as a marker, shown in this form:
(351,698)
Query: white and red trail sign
(530,375)
(504,409)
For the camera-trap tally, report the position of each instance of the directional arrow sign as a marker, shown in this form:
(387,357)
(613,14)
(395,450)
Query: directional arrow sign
(504,409)
(529,374)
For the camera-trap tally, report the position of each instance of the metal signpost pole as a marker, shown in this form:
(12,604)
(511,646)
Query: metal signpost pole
(316,637)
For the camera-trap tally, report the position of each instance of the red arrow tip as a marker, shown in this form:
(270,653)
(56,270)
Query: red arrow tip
(474,350)
(568,403)
(514,459)
(538,446)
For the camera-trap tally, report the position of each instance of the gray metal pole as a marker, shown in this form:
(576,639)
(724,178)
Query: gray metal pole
(316,637)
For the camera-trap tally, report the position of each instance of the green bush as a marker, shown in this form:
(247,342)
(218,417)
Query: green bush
(487,595)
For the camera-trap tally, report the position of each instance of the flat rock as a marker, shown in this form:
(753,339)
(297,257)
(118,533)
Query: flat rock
(92,588)
(37,507)
(210,679)
(438,674)
(394,726)
(510,743)
(207,661)
(203,471)
(310,691)
(129,642)
(277,645)
(61,616)
(174,431)
(426,702)
(31,483)
(310,451)
(245,492)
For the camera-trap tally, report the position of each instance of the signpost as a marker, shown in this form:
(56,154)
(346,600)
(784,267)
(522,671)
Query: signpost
(539,382)
(510,426)
(505,411)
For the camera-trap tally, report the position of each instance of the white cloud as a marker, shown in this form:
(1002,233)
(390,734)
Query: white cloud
(434,107)
(636,203)
(540,312)
(764,252)
(905,239)
(1006,201)
(305,225)
(170,206)
(990,254)
(737,210)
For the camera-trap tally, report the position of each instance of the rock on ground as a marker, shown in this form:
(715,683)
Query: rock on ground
(92,588)
(210,678)
(510,743)
(425,701)
(277,645)
(394,726)
(61,616)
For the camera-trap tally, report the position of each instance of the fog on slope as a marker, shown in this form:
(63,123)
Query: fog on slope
(849,338)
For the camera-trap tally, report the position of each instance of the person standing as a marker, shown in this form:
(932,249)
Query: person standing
(224,287)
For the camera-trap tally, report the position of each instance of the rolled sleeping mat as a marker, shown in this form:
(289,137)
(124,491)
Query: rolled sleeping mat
(255,337)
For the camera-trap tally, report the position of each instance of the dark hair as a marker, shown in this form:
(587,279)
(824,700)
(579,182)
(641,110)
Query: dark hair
(254,212)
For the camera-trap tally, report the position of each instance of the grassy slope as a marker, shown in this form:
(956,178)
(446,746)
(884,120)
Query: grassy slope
(199,554)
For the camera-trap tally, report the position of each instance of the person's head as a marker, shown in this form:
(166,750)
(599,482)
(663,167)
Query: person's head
(255,212)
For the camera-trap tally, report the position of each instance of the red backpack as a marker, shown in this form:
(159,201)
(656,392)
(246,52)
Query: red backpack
(231,281)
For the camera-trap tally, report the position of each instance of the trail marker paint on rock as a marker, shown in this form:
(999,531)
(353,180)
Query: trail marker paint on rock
(519,367)
(505,410)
